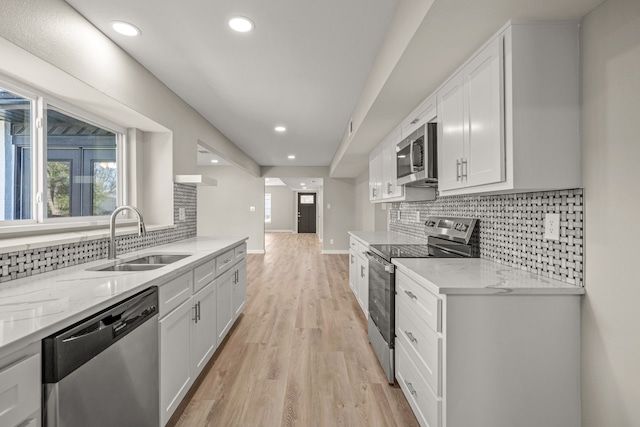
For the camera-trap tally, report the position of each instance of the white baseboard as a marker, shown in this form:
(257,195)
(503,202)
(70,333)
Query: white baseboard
(256,251)
(335,252)
(278,231)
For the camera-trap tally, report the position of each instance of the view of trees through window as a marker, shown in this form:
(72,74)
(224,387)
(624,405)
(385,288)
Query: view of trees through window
(81,166)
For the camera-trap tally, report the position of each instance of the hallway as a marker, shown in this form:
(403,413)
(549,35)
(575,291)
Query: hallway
(299,355)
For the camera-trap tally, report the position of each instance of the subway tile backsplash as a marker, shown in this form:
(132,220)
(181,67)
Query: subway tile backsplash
(15,265)
(511,229)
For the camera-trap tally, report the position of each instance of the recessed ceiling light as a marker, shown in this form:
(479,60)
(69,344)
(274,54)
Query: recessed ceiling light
(291,156)
(241,24)
(214,161)
(126,29)
(266,179)
(302,183)
(280,128)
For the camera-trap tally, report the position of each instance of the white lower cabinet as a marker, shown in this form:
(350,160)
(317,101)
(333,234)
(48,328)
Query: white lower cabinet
(224,311)
(21,388)
(175,359)
(487,360)
(359,274)
(195,316)
(240,289)
(203,341)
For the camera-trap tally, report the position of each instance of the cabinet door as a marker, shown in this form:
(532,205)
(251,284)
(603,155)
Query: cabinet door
(375,175)
(450,134)
(390,188)
(240,289)
(203,329)
(224,307)
(484,161)
(353,271)
(363,285)
(175,360)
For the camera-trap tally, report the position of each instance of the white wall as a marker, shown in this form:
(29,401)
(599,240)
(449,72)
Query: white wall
(369,216)
(224,210)
(339,193)
(611,156)
(282,209)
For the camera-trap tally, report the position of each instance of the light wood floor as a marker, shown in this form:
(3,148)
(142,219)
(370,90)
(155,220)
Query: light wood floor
(299,355)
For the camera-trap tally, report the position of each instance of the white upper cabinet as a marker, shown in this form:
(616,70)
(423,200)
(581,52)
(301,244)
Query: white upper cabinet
(450,134)
(390,188)
(508,120)
(375,175)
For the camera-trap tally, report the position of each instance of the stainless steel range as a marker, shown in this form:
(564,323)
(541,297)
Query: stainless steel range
(446,238)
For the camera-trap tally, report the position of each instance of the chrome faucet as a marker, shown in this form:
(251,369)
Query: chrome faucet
(142,230)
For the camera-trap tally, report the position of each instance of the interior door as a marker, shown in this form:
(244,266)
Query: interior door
(306,212)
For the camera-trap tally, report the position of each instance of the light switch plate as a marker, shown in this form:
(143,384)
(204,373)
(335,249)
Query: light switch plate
(552,226)
(182,214)
(418,216)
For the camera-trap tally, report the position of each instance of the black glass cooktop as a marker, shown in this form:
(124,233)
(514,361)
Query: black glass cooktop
(402,251)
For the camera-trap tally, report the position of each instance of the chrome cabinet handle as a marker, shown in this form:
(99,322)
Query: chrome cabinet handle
(410,387)
(362,271)
(463,174)
(199,318)
(195,313)
(352,259)
(373,192)
(410,336)
(411,294)
(458,174)
(389,188)
(227,261)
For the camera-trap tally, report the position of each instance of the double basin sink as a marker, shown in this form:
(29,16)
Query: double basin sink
(148,262)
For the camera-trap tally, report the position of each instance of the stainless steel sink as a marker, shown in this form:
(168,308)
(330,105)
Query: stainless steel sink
(157,259)
(144,263)
(130,267)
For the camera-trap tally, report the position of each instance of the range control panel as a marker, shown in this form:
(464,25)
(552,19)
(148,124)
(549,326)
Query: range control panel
(458,229)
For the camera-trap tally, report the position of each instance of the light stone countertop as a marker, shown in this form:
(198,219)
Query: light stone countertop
(475,276)
(35,307)
(386,238)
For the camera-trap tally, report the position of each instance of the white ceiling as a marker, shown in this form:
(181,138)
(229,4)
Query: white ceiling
(301,184)
(307,62)
(302,67)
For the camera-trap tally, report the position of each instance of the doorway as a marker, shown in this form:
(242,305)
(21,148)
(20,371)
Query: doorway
(306,212)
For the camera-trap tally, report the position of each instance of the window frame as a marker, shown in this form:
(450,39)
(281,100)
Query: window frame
(40,102)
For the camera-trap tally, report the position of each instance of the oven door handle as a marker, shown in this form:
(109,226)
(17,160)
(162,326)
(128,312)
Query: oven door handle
(389,268)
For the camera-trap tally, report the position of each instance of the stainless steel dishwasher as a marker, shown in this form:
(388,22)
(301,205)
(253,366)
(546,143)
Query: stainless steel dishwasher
(103,371)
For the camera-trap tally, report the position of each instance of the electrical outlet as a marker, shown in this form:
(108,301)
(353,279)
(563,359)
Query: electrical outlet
(552,226)
(398,217)
(328,205)
(331,241)
(417,216)
(182,214)
(252,208)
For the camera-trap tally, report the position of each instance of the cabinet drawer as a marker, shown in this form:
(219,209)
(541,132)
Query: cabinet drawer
(174,293)
(240,252)
(426,406)
(353,244)
(203,275)
(424,303)
(20,387)
(224,262)
(422,343)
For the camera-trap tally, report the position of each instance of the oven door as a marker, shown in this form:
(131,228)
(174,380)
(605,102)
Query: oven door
(382,296)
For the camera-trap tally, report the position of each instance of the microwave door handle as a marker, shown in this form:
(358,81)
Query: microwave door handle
(411,166)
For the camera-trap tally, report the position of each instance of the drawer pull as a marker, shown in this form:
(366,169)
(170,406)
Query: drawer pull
(411,294)
(410,336)
(410,387)
(227,261)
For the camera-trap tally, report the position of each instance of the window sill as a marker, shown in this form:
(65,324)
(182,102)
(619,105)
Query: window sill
(50,237)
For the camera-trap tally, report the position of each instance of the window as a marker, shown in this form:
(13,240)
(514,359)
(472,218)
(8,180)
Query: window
(267,208)
(70,170)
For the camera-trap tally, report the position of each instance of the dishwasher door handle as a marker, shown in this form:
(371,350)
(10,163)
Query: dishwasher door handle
(389,268)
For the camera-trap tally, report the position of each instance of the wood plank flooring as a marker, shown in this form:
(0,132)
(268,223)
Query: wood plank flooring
(299,355)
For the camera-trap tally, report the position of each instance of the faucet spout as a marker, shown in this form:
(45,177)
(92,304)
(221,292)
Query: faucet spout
(142,230)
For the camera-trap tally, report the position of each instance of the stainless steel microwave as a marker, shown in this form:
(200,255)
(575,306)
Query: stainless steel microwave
(417,157)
